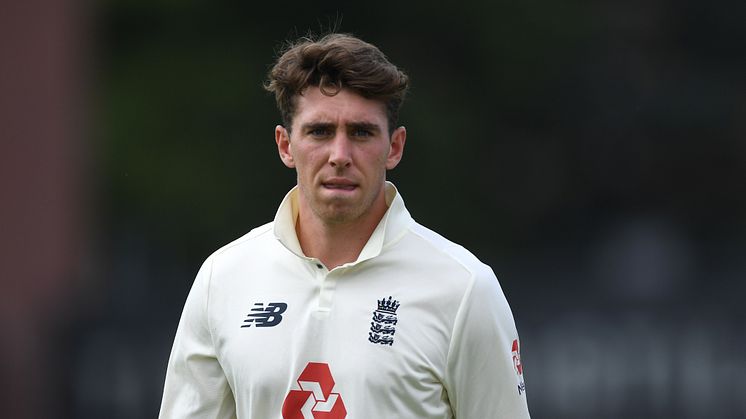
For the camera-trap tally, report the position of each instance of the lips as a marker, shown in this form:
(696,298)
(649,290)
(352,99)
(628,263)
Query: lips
(339,184)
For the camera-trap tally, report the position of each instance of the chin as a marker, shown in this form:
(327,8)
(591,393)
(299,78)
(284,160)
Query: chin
(339,215)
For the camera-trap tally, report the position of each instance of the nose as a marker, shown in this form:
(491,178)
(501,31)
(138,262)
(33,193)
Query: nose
(340,154)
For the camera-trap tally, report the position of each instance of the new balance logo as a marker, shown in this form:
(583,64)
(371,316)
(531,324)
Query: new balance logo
(269,316)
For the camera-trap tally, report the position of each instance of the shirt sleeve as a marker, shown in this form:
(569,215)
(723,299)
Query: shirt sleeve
(196,386)
(484,376)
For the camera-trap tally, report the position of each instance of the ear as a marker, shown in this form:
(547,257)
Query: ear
(282,138)
(396,148)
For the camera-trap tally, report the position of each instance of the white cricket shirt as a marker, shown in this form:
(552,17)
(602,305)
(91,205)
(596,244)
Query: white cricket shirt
(416,327)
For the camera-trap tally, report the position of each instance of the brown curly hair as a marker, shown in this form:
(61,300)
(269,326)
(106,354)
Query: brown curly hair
(334,62)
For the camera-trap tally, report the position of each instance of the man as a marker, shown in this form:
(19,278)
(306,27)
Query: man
(343,306)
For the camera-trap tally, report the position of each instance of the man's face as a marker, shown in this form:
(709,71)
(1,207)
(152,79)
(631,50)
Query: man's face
(341,149)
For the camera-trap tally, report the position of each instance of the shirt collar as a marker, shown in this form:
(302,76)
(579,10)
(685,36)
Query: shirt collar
(391,227)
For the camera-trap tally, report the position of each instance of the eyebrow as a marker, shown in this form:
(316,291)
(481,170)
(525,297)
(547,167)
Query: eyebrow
(370,126)
(316,125)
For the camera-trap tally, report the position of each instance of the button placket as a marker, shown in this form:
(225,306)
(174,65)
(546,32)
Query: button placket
(325,286)
(326,292)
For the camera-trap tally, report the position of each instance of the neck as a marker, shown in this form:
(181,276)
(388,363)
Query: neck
(335,244)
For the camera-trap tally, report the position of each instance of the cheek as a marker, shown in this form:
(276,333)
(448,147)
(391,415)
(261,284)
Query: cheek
(381,158)
(306,164)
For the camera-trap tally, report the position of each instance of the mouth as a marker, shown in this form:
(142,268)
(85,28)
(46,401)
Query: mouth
(339,185)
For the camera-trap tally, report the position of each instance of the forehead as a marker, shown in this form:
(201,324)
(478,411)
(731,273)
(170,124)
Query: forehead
(346,106)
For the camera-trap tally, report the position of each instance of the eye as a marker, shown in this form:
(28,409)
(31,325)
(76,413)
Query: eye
(319,132)
(361,132)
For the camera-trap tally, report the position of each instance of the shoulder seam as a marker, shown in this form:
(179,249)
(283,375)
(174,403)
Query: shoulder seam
(456,320)
(443,251)
(207,301)
(253,234)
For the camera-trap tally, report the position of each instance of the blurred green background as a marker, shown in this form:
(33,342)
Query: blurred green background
(593,153)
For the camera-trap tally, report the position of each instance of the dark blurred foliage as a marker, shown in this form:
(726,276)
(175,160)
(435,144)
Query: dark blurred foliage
(593,153)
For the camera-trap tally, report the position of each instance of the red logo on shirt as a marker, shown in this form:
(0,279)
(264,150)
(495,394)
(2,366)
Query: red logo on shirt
(518,366)
(517,358)
(315,399)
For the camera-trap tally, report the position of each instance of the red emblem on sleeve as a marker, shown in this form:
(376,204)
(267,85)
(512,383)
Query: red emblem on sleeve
(518,366)
(517,358)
